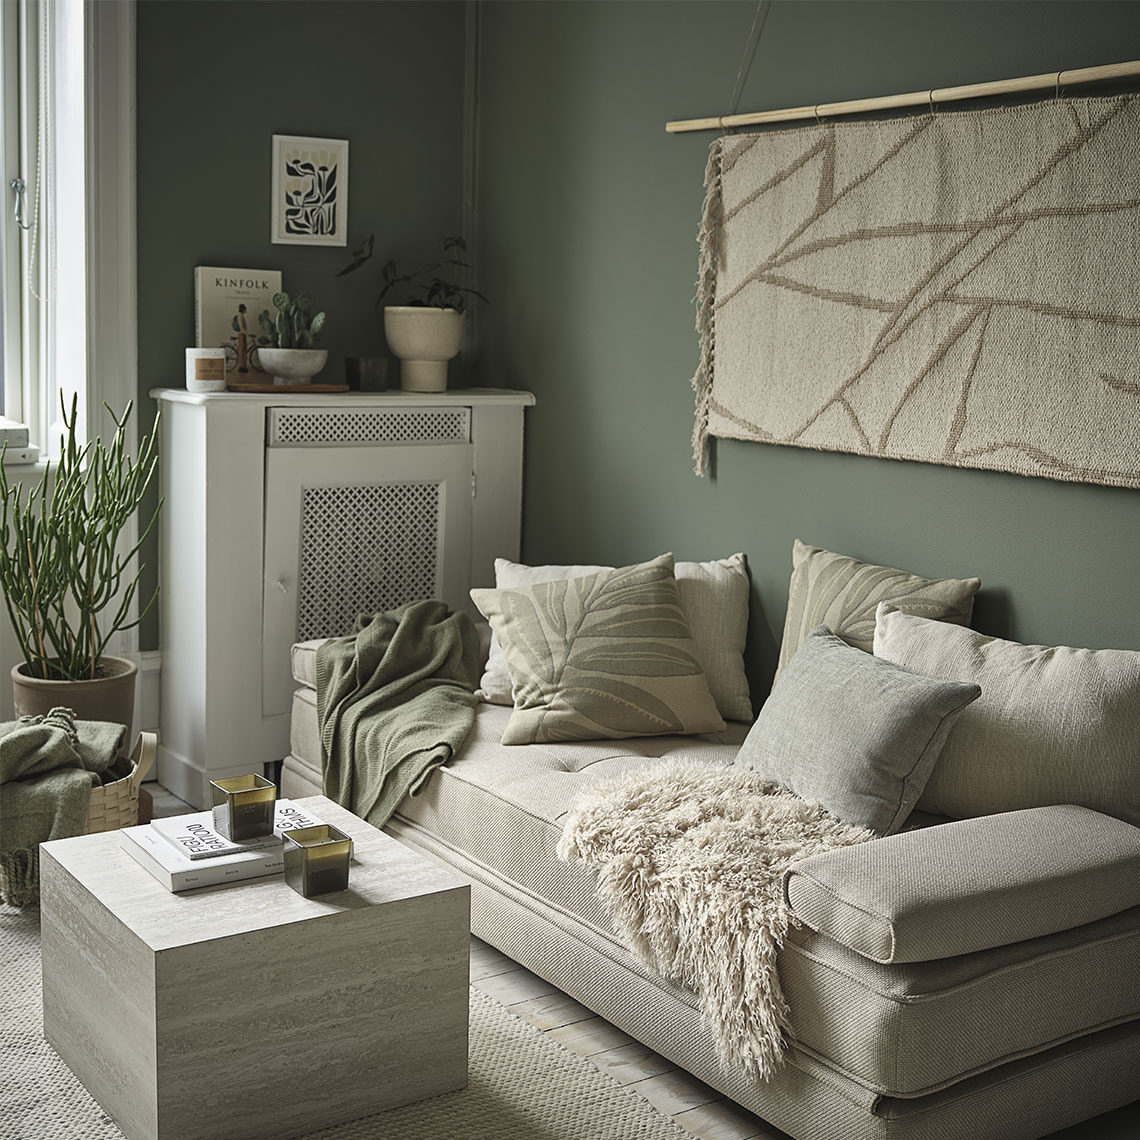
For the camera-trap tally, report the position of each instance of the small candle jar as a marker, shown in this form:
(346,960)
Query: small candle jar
(243,806)
(205,370)
(316,860)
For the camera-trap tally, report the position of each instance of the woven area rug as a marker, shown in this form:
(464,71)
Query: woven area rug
(522,1085)
(957,288)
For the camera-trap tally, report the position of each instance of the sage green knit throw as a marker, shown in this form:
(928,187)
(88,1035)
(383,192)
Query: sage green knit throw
(48,766)
(394,701)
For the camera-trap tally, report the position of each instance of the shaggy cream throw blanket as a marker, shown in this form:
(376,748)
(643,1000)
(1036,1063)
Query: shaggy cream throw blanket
(690,860)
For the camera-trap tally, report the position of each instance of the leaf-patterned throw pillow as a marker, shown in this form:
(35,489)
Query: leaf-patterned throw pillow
(842,593)
(605,656)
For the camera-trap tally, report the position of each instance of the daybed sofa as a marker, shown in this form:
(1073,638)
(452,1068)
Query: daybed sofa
(971,978)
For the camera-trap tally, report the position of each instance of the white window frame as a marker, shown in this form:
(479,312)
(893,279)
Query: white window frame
(111,348)
(109,355)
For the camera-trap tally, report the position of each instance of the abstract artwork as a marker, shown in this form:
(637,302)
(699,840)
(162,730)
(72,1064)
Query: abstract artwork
(310,191)
(956,288)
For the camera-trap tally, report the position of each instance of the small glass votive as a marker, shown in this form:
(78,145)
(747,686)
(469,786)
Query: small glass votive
(244,806)
(316,860)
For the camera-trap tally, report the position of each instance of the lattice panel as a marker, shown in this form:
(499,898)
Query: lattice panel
(365,549)
(302,427)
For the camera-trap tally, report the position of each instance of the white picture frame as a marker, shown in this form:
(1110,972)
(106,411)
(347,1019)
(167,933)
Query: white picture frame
(310,191)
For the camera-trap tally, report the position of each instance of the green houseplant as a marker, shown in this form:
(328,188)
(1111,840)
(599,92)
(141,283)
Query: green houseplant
(287,337)
(69,587)
(426,331)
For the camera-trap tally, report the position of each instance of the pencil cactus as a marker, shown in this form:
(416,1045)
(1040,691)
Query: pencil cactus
(291,326)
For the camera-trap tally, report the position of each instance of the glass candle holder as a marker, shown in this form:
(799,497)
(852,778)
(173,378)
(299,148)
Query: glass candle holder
(316,860)
(243,806)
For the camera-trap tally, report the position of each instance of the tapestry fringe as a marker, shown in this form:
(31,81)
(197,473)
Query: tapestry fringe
(709,240)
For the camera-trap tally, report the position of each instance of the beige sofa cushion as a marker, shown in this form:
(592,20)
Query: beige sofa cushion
(842,593)
(970,885)
(714,596)
(1053,725)
(606,656)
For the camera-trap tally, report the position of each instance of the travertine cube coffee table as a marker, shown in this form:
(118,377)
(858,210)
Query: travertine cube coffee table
(245,1010)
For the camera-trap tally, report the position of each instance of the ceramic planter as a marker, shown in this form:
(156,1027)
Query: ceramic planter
(110,696)
(292,365)
(424,339)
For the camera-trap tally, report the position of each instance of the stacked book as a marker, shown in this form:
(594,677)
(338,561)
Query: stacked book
(184,851)
(14,444)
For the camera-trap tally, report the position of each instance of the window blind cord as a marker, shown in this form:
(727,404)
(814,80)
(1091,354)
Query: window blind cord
(43,90)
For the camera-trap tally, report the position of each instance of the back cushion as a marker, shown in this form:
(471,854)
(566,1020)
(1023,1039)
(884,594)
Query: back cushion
(1053,725)
(842,593)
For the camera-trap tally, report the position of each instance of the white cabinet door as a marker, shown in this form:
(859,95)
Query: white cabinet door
(355,529)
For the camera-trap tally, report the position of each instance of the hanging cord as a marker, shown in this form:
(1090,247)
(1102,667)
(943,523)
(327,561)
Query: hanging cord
(42,86)
(763,7)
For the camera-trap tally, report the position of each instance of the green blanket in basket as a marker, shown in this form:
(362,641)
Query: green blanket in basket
(394,701)
(48,766)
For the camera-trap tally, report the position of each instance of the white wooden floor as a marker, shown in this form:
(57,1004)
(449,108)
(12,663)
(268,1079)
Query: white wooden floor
(699,1109)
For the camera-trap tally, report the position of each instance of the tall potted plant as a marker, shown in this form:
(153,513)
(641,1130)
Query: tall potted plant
(68,585)
(426,331)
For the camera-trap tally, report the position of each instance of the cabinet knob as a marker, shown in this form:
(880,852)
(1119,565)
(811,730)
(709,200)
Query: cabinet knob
(281,586)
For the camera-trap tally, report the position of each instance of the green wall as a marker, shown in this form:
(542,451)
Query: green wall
(215,82)
(586,243)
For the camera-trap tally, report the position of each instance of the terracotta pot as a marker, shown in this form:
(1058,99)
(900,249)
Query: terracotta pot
(110,696)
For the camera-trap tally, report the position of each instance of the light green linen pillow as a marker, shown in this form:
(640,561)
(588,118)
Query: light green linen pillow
(858,735)
(608,655)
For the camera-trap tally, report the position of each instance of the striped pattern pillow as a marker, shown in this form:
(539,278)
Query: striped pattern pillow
(842,593)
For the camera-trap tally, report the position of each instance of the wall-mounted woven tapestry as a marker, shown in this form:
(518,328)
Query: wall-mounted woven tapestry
(960,288)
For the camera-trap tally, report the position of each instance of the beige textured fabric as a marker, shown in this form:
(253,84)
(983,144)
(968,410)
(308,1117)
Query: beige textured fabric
(606,656)
(842,593)
(931,287)
(971,885)
(714,596)
(1053,725)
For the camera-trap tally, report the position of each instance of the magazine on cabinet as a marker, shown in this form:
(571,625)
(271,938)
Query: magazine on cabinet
(177,873)
(226,307)
(194,836)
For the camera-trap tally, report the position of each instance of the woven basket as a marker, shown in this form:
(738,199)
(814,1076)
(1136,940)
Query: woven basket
(117,805)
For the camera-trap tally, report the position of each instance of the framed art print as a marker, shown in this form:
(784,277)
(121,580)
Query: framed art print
(310,191)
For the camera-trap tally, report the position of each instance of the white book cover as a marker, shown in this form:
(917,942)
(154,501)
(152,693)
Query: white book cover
(226,306)
(13,433)
(19,456)
(193,835)
(177,873)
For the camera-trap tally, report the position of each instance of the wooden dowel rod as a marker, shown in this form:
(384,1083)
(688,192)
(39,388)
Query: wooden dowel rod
(913,98)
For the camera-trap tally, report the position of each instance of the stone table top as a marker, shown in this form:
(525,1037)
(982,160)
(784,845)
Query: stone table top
(382,871)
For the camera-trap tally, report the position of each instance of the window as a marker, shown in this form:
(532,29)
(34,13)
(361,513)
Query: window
(67,282)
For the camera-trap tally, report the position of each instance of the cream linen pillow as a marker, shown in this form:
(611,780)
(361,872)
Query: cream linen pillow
(842,593)
(1053,725)
(714,597)
(603,656)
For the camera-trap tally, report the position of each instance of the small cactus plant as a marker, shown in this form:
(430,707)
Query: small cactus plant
(291,327)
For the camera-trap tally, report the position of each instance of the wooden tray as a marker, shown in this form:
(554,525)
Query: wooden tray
(255,386)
